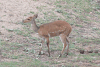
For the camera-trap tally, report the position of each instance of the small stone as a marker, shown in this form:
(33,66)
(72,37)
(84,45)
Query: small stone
(5,11)
(81,51)
(91,51)
(20,45)
(11,15)
(1,20)
(10,30)
(0,33)
(96,51)
(7,39)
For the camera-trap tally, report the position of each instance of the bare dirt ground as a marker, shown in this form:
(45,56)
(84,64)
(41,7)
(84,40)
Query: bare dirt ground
(12,12)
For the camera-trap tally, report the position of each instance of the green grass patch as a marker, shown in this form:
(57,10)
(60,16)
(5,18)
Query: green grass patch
(88,58)
(3,43)
(9,64)
(71,46)
(30,63)
(25,32)
(14,57)
(94,54)
(95,29)
(79,8)
(78,25)
(31,12)
(88,41)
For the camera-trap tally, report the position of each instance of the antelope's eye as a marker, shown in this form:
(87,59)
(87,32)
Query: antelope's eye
(28,19)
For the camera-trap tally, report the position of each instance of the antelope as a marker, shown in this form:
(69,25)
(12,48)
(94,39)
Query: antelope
(57,28)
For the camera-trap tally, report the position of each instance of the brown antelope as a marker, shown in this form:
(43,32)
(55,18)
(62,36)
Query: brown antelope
(57,28)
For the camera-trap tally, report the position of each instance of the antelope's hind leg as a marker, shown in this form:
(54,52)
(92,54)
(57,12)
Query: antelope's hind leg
(67,42)
(63,39)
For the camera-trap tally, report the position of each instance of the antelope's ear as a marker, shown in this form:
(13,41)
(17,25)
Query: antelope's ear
(36,15)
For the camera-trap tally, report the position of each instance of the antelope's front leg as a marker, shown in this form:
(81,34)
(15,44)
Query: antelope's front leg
(42,42)
(47,39)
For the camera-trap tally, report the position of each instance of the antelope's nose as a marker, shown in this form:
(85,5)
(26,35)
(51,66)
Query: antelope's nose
(22,21)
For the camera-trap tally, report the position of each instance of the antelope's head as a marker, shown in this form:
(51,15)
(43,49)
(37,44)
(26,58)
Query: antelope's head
(30,19)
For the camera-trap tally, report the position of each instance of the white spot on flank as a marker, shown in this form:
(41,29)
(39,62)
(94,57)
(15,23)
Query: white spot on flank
(48,34)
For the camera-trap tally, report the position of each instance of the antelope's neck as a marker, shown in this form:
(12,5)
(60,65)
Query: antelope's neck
(34,26)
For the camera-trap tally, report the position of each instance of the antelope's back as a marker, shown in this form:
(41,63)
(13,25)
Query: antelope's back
(54,28)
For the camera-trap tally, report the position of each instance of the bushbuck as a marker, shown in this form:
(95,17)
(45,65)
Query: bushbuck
(57,28)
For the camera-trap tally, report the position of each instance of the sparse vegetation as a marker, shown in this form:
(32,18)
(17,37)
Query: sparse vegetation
(19,46)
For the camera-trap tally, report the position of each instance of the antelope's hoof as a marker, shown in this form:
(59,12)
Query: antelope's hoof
(39,53)
(59,56)
(66,54)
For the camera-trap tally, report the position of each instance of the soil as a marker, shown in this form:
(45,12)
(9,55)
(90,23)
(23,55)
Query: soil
(12,13)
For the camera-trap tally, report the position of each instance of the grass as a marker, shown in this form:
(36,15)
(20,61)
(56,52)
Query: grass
(71,46)
(32,63)
(27,50)
(31,12)
(9,64)
(96,29)
(94,54)
(79,8)
(8,52)
(88,41)
(3,43)
(24,54)
(21,32)
(84,58)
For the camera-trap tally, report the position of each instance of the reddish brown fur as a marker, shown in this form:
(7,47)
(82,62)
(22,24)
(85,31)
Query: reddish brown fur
(56,28)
